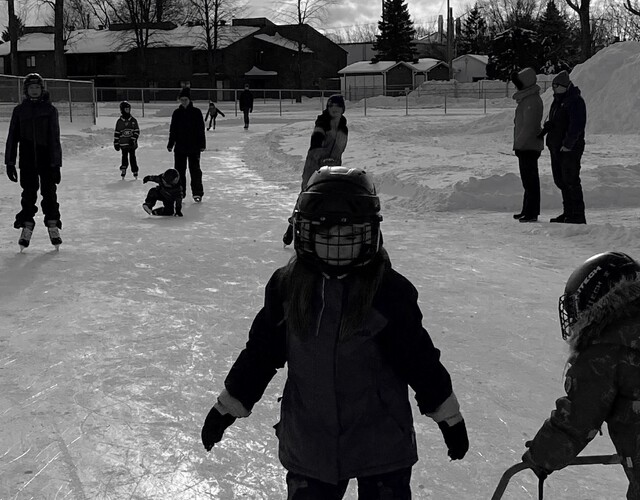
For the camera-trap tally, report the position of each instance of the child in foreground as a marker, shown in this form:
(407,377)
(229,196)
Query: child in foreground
(168,191)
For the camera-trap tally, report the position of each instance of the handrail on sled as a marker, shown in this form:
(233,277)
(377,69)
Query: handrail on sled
(586,460)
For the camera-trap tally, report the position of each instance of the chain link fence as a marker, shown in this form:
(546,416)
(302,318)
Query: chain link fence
(74,99)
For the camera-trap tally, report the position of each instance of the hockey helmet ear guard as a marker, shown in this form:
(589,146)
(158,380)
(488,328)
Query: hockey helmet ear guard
(337,220)
(591,282)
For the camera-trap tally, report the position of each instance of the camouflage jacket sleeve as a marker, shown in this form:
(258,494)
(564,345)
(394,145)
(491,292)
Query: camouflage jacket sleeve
(591,388)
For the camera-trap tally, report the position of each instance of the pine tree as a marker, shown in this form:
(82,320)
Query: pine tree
(555,40)
(395,41)
(513,50)
(474,38)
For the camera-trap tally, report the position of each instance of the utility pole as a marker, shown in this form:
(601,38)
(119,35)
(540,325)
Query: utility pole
(13,37)
(449,40)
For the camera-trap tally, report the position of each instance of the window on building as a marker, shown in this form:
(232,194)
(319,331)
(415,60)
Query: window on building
(31,61)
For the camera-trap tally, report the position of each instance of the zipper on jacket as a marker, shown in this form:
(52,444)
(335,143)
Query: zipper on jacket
(321,307)
(335,382)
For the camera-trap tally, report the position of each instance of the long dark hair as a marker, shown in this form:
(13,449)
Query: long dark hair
(299,282)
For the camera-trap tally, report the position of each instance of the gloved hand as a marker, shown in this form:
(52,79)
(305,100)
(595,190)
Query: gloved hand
(178,212)
(456,439)
(541,472)
(12,173)
(116,146)
(170,149)
(543,132)
(214,426)
(55,175)
(146,179)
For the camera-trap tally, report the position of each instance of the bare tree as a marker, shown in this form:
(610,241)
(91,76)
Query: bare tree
(78,14)
(634,9)
(353,34)
(210,14)
(504,14)
(583,9)
(60,66)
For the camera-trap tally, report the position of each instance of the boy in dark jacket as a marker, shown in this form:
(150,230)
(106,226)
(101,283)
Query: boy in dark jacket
(168,191)
(565,139)
(125,138)
(35,127)
(246,104)
(187,136)
(600,318)
(211,115)
(349,328)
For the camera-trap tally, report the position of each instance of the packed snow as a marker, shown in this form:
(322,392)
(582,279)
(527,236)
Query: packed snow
(113,349)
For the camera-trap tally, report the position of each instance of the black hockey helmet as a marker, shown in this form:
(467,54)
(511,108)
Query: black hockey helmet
(171,176)
(337,220)
(123,105)
(592,281)
(31,79)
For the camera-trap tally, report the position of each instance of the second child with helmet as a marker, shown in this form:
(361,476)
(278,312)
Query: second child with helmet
(349,328)
(125,139)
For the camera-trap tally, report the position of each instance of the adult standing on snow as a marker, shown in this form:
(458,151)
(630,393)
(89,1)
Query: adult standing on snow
(350,331)
(35,127)
(328,142)
(526,143)
(565,140)
(187,136)
(246,104)
(600,318)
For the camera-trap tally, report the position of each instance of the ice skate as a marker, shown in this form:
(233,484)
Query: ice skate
(123,171)
(147,209)
(54,233)
(25,235)
(135,175)
(197,199)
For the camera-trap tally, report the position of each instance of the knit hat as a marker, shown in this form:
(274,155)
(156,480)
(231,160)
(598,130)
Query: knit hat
(336,100)
(185,92)
(562,78)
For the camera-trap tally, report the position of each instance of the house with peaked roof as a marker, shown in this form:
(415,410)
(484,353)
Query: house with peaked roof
(254,51)
(470,68)
(365,79)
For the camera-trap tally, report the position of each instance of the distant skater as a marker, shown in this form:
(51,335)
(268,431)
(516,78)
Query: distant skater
(211,115)
(246,104)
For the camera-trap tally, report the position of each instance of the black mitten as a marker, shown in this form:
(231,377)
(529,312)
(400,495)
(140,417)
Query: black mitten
(12,173)
(527,458)
(214,426)
(55,175)
(146,179)
(456,439)
(116,147)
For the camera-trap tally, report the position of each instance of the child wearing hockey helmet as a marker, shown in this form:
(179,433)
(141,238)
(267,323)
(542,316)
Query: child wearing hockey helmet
(349,328)
(169,192)
(600,318)
(125,138)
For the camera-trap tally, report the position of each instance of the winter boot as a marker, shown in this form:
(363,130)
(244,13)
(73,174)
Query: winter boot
(25,236)
(135,175)
(578,219)
(517,216)
(528,218)
(54,233)
(559,218)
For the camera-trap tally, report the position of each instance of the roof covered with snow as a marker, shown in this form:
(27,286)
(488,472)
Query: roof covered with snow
(281,41)
(32,42)
(426,63)
(363,67)
(255,71)
(478,57)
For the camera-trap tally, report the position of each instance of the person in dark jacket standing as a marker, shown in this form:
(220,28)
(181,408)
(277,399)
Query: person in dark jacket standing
(565,139)
(600,318)
(35,127)
(187,136)
(125,139)
(212,114)
(246,104)
(349,328)
(168,191)
(526,143)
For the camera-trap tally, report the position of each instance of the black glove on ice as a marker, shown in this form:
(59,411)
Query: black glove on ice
(146,179)
(455,438)
(12,173)
(541,472)
(214,426)
(55,175)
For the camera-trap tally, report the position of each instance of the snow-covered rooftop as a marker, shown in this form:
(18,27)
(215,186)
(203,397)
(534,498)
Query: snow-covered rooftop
(255,71)
(32,42)
(482,58)
(361,67)
(281,41)
(426,63)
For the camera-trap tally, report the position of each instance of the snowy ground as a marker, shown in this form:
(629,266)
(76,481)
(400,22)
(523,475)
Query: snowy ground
(113,349)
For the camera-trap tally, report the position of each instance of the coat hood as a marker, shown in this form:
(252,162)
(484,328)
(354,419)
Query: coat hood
(527,78)
(614,319)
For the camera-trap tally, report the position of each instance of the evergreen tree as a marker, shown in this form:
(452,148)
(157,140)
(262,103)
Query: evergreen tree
(555,40)
(20,30)
(512,50)
(395,41)
(474,38)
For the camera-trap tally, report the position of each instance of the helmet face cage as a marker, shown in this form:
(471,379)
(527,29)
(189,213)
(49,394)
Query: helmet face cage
(567,313)
(31,79)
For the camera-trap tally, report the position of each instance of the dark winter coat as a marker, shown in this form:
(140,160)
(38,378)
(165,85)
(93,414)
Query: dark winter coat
(602,385)
(126,133)
(528,116)
(345,408)
(168,192)
(325,143)
(567,120)
(186,131)
(246,100)
(213,112)
(35,126)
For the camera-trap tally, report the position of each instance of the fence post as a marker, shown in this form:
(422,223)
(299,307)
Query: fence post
(445,102)
(485,103)
(95,100)
(406,101)
(365,103)
(142,99)
(280,100)
(235,101)
(70,103)
(322,101)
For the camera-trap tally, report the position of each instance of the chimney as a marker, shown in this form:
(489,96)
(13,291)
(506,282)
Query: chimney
(440,28)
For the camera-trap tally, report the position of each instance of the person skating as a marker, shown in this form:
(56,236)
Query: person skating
(168,191)
(34,131)
(328,142)
(349,328)
(125,139)
(187,140)
(600,318)
(211,115)
(565,129)
(526,141)
(246,104)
